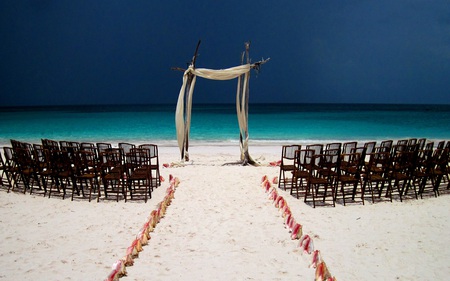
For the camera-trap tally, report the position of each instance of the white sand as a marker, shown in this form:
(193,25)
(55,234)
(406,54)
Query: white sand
(221,226)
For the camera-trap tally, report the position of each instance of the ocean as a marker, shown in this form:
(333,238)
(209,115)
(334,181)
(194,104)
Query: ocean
(217,123)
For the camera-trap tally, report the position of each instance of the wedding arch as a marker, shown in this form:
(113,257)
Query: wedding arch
(184,104)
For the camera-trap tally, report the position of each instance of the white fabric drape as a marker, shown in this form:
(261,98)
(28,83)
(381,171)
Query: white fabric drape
(221,74)
(183,116)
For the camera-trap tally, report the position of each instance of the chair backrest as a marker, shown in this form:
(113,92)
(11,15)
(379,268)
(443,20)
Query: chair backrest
(153,149)
(352,162)
(288,152)
(334,145)
(331,159)
(398,148)
(71,147)
(84,145)
(103,146)
(63,143)
(75,144)
(421,142)
(378,159)
(50,144)
(412,141)
(24,158)
(86,161)
(111,159)
(424,155)
(315,164)
(370,146)
(8,152)
(39,156)
(332,156)
(1,160)
(138,157)
(37,146)
(362,152)
(61,161)
(348,146)
(320,166)
(318,148)
(2,169)
(429,145)
(16,144)
(300,159)
(402,161)
(386,145)
(125,147)
(441,157)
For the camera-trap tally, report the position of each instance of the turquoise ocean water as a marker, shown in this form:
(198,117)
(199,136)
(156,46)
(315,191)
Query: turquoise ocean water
(217,124)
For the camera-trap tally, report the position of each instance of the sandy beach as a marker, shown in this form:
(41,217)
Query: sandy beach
(221,225)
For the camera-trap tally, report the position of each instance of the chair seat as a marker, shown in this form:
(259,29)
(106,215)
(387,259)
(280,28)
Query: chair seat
(113,176)
(375,178)
(287,167)
(87,176)
(316,180)
(300,174)
(400,176)
(138,176)
(348,179)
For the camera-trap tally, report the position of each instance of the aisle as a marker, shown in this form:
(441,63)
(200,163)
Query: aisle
(221,232)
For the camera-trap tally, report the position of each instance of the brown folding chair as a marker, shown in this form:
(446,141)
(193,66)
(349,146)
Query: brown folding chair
(113,172)
(25,168)
(320,187)
(374,175)
(287,165)
(62,172)
(349,177)
(139,176)
(439,168)
(87,172)
(300,173)
(42,165)
(10,167)
(421,173)
(400,170)
(4,172)
(153,164)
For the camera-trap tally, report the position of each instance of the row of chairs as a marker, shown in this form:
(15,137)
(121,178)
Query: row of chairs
(58,167)
(320,172)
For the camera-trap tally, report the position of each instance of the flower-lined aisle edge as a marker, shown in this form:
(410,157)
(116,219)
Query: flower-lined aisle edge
(143,236)
(295,228)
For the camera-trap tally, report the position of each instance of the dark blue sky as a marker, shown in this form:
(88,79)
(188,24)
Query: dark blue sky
(55,52)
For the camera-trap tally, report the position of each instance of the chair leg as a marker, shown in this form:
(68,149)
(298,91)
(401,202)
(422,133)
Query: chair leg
(343,193)
(362,192)
(294,185)
(279,178)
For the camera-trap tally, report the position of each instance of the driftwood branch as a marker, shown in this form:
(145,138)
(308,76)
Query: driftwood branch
(257,65)
(178,69)
(194,58)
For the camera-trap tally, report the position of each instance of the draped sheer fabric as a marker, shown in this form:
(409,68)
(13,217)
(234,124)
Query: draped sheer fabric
(183,115)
